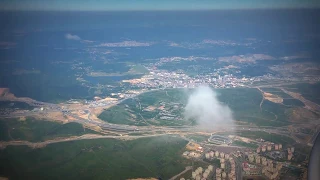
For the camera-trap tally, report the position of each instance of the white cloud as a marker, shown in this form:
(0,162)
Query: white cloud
(72,37)
(87,41)
(204,107)
(126,44)
(207,43)
(173,44)
(301,56)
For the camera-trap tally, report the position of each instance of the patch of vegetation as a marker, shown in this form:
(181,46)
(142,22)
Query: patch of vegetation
(277,111)
(244,144)
(269,89)
(15,104)
(245,104)
(308,91)
(300,148)
(160,108)
(198,138)
(214,161)
(139,69)
(293,172)
(166,108)
(96,159)
(38,130)
(284,140)
(119,115)
(293,102)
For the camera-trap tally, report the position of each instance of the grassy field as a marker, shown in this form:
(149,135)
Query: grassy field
(169,106)
(268,137)
(244,144)
(245,104)
(293,102)
(38,130)
(308,91)
(215,162)
(135,111)
(198,138)
(96,159)
(15,104)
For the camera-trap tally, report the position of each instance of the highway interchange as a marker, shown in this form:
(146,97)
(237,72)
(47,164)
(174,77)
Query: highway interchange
(127,129)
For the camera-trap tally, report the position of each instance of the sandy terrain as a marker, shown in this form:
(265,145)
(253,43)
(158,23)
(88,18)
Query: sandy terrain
(272,97)
(3,91)
(247,140)
(54,116)
(93,127)
(6,95)
(192,146)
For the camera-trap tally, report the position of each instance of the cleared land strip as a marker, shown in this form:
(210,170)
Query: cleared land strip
(308,104)
(4,144)
(184,171)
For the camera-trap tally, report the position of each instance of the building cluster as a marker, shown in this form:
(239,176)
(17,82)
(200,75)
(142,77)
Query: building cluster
(276,147)
(268,168)
(269,147)
(194,150)
(191,154)
(201,174)
(270,171)
(223,172)
(220,173)
(216,154)
(250,169)
(236,164)
(158,78)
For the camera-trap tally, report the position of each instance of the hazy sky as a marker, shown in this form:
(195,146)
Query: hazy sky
(98,5)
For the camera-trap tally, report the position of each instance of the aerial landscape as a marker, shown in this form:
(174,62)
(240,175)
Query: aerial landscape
(149,90)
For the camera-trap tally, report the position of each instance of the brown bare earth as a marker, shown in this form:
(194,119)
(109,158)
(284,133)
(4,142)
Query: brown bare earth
(96,112)
(3,91)
(6,95)
(94,128)
(191,146)
(54,116)
(308,104)
(272,97)
(22,118)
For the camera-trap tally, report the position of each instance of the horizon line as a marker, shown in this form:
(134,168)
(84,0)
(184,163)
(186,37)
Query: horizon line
(150,10)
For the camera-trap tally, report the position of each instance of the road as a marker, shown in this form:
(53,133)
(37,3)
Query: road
(126,129)
(73,138)
(129,129)
(188,168)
